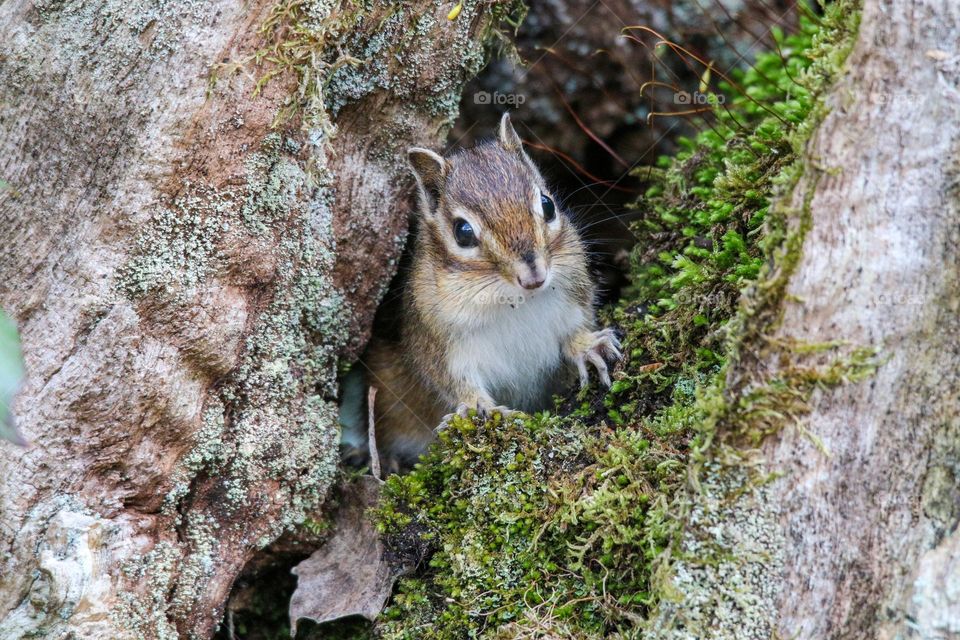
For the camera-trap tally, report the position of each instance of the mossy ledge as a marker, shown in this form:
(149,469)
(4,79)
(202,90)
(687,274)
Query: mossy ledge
(643,513)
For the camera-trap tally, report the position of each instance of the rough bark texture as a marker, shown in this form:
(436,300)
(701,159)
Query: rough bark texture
(864,527)
(857,535)
(186,279)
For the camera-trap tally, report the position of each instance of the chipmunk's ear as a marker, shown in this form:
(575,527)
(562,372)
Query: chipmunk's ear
(510,141)
(431,172)
(508,135)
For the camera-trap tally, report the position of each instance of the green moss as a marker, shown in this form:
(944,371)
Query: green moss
(504,505)
(634,515)
(707,232)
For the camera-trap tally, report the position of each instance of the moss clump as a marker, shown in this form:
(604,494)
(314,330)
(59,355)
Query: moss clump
(545,514)
(579,525)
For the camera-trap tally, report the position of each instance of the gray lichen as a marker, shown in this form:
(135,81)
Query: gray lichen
(272,421)
(147,615)
(940,497)
(150,30)
(724,581)
(391,60)
(177,251)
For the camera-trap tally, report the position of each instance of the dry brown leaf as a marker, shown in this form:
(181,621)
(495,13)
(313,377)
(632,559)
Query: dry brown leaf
(351,574)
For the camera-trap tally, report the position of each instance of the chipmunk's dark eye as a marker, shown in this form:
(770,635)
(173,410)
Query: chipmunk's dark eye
(464,234)
(549,209)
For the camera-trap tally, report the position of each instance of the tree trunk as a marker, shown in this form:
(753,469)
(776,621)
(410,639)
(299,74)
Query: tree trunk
(871,540)
(186,278)
(856,536)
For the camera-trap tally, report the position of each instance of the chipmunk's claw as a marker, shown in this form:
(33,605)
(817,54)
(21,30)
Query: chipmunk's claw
(505,412)
(604,347)
(462,410)
(487,409)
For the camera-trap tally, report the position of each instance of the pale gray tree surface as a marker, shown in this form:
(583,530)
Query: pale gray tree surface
(856,536)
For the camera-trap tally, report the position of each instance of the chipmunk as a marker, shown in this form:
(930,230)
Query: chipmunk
(498,308)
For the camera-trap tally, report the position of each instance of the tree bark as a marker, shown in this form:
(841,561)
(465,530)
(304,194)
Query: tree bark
(871,529)
(186,278)
(856,537)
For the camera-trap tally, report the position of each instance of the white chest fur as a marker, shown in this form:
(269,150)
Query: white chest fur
(514,353)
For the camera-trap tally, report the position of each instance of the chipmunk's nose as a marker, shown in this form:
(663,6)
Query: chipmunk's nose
(531,272)
(531,282)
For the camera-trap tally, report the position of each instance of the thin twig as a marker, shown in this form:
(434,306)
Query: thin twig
(372,434)
(578,166)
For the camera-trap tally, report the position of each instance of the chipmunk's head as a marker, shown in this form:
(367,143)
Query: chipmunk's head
(490,222)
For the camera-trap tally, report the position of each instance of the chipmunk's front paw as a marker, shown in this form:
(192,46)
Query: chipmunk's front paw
(597,348)
(484,410)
